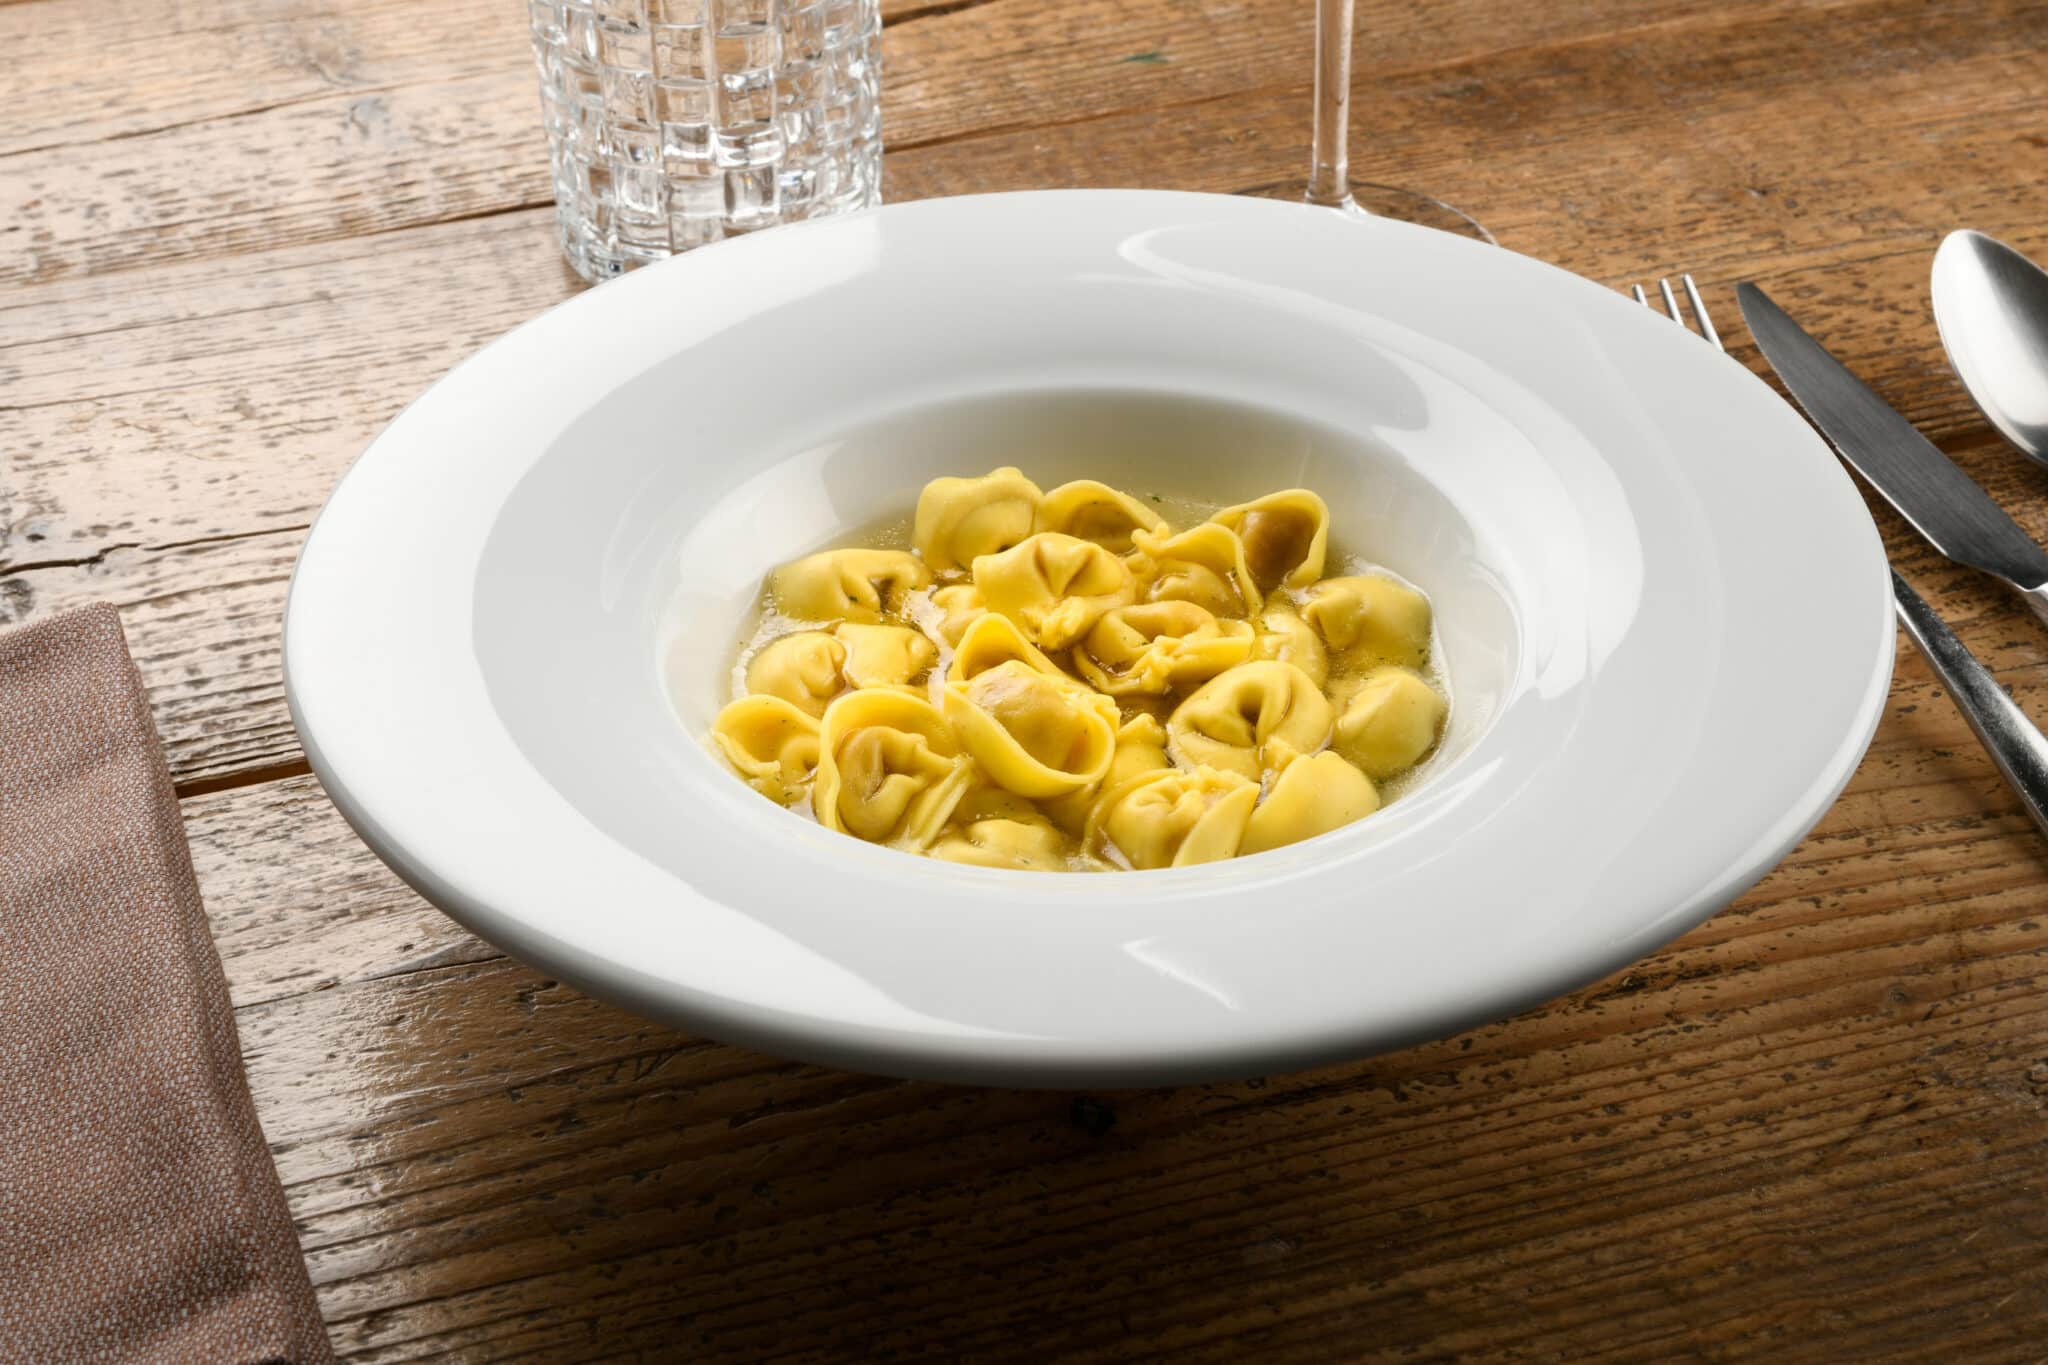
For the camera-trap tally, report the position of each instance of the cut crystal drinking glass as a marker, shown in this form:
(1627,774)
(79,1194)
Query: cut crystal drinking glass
(673,123)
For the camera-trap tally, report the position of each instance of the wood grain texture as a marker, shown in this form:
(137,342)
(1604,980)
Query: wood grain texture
(373,117)
(1809,1123)
(228,392)
(240,234)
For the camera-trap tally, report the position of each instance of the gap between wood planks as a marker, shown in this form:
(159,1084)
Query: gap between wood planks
(350,92)
(938,10)
(245,777)
(98,556)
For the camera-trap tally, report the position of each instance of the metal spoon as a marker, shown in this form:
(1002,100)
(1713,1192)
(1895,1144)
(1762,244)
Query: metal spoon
(1991,308)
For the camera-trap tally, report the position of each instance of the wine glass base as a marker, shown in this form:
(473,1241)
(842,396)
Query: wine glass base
(1370,200)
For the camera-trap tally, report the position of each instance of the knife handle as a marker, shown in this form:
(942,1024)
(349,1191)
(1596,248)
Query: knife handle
(2014,743)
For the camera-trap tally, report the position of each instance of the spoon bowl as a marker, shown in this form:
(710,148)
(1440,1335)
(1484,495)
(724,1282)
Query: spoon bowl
(1991,308)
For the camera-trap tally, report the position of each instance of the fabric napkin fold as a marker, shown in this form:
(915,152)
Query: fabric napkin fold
(140,1214)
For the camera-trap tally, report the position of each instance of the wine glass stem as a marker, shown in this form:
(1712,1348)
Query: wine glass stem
(1329,176)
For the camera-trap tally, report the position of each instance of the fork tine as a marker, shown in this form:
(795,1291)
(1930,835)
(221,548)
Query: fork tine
(1670,302)
(1699,310)
(1672,310)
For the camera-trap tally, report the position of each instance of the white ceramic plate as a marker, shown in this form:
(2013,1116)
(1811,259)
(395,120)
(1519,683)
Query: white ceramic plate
(1662,605)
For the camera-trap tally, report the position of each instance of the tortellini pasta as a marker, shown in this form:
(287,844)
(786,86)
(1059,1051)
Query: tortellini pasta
(877,656)
(1031,733)
(1204,565)
(846,585)
(1283,635)
(1157,646)
(993,828)
(1370,615)
(770,743)
(1254,719)
(889,768)
(1285,537)
(1314,795)
(808,668)
(1054,586)
(1174,817)
(994,640)
(1140,748)
(1093,511)
(960,520)
(951,611)
(1066,681)
(1390,722)
(802,668)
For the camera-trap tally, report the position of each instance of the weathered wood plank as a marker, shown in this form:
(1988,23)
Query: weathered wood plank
(83,75)
(508,1161)
(465,140)
(226,398)
(315,170)
(1204,153)
(299,905)
(241,392)
(257,55)
(1811,1130)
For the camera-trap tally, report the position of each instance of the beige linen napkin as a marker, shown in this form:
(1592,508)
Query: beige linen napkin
(140,1214)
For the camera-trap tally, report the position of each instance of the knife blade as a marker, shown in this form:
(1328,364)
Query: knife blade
(1942,502)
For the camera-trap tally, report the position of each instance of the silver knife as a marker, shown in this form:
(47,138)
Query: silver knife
(1943,503)
(1947,507)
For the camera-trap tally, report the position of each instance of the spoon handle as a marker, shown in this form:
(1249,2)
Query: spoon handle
(2015,744)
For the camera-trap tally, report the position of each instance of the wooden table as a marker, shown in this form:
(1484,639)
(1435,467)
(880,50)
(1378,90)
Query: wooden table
(240,234)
